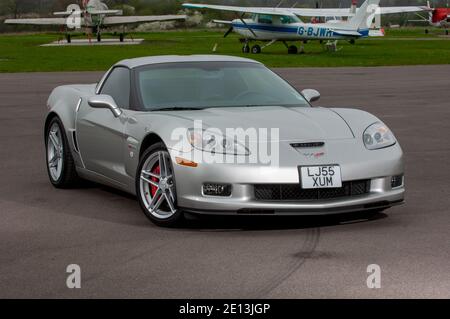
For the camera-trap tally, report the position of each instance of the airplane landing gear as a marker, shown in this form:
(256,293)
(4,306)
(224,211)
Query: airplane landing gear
(331,46)
(292,49)
(246,49)
(256,49)
(352,41)
(302,50)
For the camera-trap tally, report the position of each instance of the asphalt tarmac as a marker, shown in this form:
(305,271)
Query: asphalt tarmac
(121,254)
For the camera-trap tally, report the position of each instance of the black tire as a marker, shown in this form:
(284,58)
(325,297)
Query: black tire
(292,49)
(68,177)
(68,38)
(426,31)
(99,37)
(256,49)
(172,221)
(352,41)
(246,49)
(121,37)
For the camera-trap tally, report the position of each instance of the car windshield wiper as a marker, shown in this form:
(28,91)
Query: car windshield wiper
(274,104)
(257,105)
(177,108)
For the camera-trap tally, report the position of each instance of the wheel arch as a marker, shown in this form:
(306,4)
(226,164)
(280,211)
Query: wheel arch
(64,115)
(48,119)
(149,140)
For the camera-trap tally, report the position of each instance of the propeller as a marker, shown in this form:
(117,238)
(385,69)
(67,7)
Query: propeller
(246,25)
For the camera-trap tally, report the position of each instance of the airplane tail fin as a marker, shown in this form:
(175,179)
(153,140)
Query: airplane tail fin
(365,14)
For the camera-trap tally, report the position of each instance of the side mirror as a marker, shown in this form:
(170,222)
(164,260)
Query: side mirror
(311,95)
(103,101)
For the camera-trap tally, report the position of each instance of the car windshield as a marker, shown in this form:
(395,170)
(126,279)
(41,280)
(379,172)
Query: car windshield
(197,85)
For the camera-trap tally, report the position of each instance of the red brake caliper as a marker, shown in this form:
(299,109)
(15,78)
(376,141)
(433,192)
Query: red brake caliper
(156,170)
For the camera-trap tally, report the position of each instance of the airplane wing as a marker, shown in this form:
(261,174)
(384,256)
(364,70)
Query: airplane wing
(38,21)
(324,12)
(140,19)
(67,13)
(256,10)
(305,12)
(106,12)
(225,22)
(345,12)
(388,10)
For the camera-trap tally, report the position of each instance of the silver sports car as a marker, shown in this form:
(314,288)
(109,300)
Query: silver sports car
(219,135)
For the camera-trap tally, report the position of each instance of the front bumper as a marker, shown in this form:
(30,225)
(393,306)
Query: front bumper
(246,204)
(377,166)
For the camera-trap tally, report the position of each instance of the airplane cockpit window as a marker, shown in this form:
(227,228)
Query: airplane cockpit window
(289,19)
(265,18)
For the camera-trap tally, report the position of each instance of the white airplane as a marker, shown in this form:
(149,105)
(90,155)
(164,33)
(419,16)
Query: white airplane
(94,15)
(339,13)
(284,24)
(437,17)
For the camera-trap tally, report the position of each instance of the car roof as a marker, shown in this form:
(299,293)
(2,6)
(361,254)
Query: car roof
(137,62)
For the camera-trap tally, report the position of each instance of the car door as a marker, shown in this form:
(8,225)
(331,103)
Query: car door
(100,134)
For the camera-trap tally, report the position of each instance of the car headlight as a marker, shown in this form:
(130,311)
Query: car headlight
(378,136)
(214,142)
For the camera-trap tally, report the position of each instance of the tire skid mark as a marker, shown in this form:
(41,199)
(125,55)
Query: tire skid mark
(305,252)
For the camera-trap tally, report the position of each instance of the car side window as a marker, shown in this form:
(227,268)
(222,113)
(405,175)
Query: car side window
(117,85)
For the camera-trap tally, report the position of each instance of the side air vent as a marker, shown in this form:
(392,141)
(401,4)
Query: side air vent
(307,145)
(75,142)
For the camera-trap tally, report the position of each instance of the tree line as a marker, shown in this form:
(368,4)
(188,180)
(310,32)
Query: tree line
(44,8)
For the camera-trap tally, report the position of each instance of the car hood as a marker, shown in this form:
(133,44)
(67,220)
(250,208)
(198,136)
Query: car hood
(294,123)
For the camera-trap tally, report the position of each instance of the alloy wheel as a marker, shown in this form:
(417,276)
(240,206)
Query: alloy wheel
(55,152)
(157,185)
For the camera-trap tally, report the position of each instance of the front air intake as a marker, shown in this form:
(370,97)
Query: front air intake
(214,189)
(293,192)
(396,181)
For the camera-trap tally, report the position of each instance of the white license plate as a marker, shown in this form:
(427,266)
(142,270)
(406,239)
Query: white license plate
(326,176)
